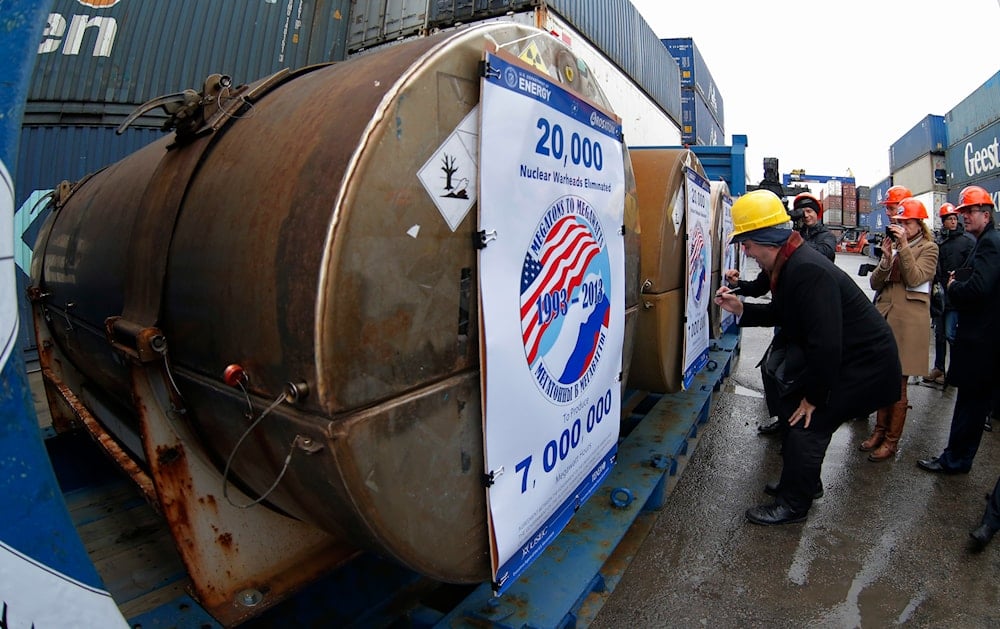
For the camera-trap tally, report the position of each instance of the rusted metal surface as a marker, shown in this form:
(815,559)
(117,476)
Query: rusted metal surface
(103,438)
(307,251)
(656,364)
(226,550)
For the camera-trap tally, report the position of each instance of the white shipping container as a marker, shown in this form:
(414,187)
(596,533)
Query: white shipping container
(643,122)
(924,174)
(834,188)
(932,201)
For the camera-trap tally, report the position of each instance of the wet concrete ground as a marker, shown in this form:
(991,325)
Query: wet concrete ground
(887,545)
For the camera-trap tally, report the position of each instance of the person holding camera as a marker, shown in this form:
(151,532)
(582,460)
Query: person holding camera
(954,245)
(902,283)
(807,216)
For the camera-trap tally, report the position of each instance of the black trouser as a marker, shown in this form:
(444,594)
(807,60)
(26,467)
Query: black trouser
(802,453)
(940,343)
(770,393)
(991,517)
(972,405)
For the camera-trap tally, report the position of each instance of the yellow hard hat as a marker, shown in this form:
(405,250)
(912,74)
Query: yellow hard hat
(755,210)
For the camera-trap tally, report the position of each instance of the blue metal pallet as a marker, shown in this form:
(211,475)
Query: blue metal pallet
(566,587)
(574,575)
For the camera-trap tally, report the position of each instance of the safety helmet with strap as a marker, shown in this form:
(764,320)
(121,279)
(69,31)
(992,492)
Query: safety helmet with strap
(910,208)
(896,194)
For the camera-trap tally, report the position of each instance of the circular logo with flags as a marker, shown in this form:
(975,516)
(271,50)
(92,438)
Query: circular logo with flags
(565,299)
(698,262)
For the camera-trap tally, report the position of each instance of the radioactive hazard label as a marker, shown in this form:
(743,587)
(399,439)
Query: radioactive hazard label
(533,57)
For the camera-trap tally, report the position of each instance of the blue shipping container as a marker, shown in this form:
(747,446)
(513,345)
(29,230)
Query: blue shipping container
(878,219)
(976,111)
(991,183)
(132,51)
(698,125)
(975,157)
(927,136)
(726,162)
(447,12)
(47,155)
(695,74)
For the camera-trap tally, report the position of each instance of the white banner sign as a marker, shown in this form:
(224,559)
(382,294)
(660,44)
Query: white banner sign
(730,254)
(8,284)
(35,595)
(552,275)
(699,255)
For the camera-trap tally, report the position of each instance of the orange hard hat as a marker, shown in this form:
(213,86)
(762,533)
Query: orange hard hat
(947,210)
(896,194)
(910,208)
(806,200)
(973,195)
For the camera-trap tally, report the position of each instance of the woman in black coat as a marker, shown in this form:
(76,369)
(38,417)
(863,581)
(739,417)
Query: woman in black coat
(843,357)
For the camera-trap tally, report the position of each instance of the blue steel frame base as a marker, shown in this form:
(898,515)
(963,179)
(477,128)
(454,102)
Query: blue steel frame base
(565,587)
(574,576)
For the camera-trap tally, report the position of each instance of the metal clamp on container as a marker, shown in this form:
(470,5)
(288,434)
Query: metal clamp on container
(144,344)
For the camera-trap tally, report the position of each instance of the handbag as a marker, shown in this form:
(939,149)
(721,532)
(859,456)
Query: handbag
(785,364)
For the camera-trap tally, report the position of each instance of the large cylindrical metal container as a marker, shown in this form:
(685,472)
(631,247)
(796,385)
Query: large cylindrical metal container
(307,251)
(719,200)
(659,353)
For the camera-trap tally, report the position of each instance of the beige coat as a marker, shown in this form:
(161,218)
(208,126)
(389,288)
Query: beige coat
(908,311)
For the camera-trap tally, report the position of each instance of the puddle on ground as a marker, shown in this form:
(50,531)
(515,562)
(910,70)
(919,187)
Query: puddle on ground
(741,390)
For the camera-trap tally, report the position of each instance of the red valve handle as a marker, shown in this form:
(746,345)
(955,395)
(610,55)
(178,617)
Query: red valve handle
(234,374)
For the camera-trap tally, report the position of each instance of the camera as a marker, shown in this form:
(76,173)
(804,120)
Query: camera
(889,234)
(796,214)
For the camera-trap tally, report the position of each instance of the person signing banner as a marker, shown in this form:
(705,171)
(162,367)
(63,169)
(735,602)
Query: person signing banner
(849,360)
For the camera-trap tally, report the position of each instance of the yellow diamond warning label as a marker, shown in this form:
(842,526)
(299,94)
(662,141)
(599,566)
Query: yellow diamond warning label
(533,57)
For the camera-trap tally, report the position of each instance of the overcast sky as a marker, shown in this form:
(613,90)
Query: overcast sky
(828,86)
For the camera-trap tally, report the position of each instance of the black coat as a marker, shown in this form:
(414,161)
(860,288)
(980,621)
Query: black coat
(821,239)
(976,350)
(954,247)
(851,356)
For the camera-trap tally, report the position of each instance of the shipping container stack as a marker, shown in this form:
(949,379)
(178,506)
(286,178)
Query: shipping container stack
(98,63)
(973,127)
(876,219)
(864,202)
(917,161)
(850,201)
(833,203)
(614,27)
(703,120)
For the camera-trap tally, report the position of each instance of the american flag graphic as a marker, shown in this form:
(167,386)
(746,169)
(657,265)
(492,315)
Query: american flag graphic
(562,263)
(696,262)
(697,245)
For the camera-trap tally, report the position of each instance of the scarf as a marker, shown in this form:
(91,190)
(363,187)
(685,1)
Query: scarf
(895,273)
(794,242)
